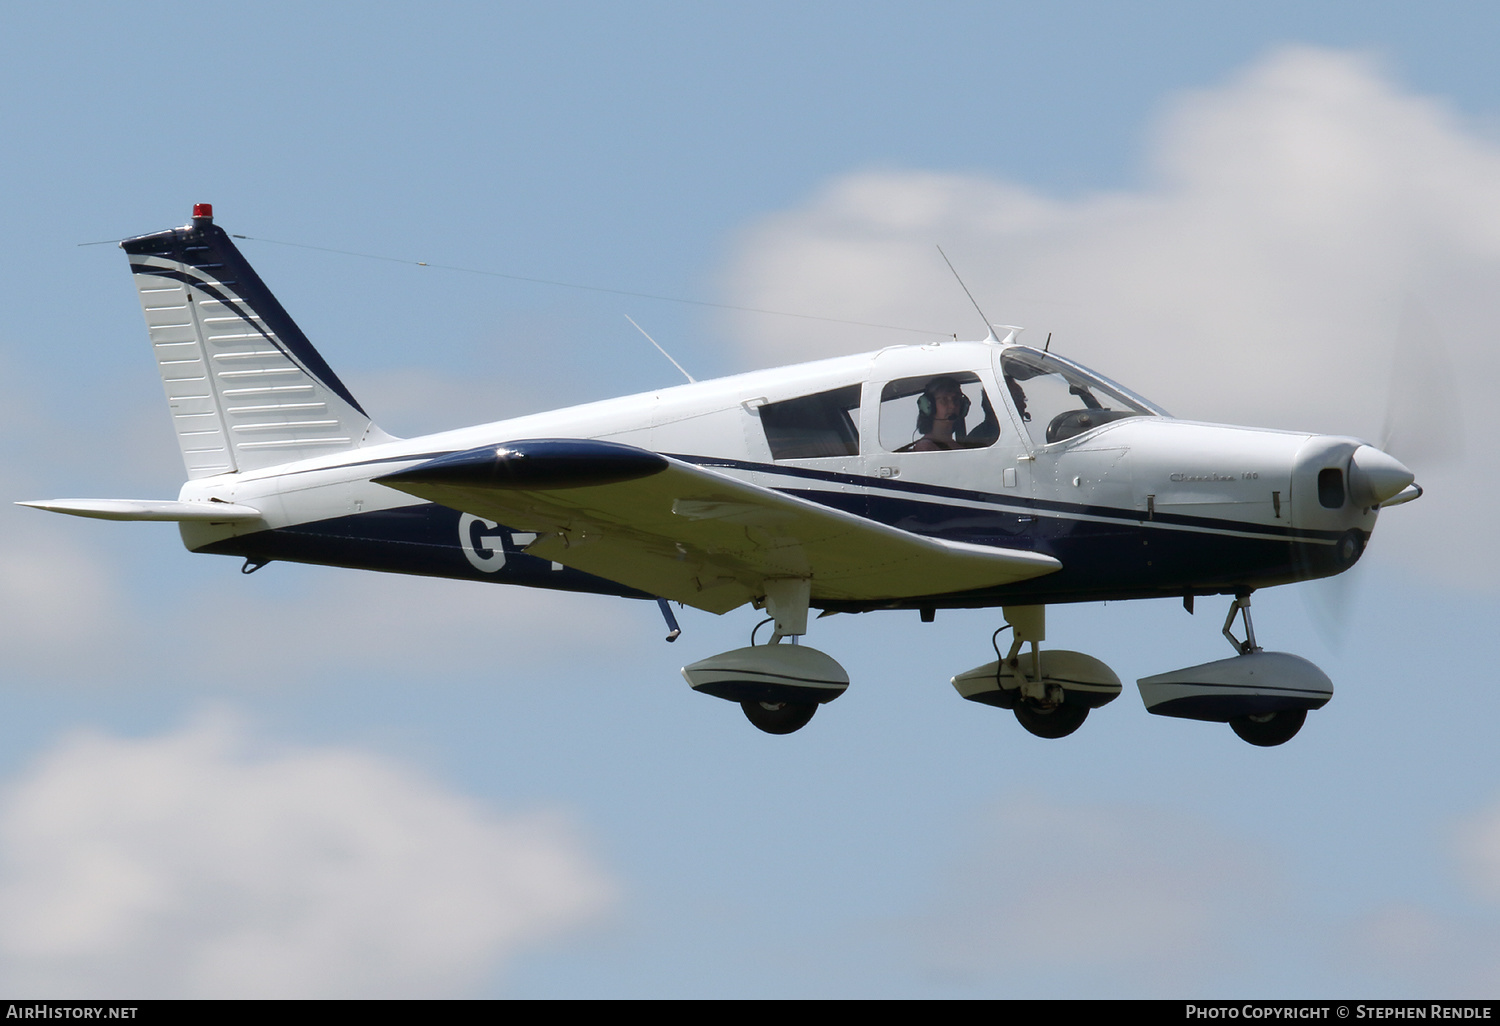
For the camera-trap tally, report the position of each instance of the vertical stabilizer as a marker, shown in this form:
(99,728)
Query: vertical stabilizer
(246,387)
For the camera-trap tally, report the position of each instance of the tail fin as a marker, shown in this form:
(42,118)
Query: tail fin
(246,387)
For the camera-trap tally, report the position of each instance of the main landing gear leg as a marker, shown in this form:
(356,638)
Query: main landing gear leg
(1041,707)
(778,686)
(1050,693)
(787,600)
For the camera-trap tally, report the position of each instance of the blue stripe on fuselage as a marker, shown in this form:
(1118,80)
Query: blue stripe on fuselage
(876,485)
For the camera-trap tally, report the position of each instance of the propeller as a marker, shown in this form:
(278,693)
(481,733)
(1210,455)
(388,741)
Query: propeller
(1423,429)
(1423,422)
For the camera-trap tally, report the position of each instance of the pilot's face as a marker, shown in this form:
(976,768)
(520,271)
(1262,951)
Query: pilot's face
(945,404)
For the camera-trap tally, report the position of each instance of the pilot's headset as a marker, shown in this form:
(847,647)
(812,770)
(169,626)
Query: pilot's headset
(927,403)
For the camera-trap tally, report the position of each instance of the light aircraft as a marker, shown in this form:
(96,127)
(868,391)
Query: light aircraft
(937,476)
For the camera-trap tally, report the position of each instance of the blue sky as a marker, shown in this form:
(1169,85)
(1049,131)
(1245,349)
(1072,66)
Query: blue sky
(313,781)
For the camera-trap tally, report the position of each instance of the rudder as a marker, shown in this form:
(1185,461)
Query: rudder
(246,388)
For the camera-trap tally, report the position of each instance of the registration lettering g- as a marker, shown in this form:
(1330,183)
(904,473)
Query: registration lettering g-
(486,552)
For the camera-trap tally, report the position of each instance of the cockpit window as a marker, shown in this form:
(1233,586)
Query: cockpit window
(936,412)
(1058,399)
(810,426)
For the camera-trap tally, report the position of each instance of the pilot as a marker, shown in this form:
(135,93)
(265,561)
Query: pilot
(941,409)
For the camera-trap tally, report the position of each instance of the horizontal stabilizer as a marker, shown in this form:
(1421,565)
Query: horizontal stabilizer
(147,509)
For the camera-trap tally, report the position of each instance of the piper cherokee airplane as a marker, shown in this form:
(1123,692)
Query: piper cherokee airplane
(926,477)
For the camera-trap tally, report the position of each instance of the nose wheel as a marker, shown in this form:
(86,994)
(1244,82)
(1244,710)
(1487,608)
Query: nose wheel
(1266,730)
(1270,729)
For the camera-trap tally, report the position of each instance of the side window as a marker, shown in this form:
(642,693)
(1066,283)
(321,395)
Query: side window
(825,424)
(935,412)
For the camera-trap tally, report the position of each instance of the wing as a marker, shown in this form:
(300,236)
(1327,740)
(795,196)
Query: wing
(694,535)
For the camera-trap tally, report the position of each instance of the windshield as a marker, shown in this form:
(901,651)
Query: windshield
(1058,399)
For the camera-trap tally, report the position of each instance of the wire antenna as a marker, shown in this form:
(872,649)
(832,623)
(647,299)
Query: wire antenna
(586,288)
(989,331)
(691,380)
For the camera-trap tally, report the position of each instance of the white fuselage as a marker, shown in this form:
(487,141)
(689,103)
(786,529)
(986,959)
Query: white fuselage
(1137,498)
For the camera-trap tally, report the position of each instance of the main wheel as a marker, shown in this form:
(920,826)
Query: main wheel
(1271,729)
(1059,721)
(779,717)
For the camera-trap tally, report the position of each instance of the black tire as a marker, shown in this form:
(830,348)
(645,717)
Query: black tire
(1271,730)
(779,717)
(1059,721)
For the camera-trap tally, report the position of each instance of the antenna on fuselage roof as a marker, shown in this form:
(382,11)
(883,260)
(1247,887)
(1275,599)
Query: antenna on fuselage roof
(691,380)
(989,329)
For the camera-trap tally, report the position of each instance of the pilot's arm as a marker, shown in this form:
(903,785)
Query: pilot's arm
(1018,397)
(987,430)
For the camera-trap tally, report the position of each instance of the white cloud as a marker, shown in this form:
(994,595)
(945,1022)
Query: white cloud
(54,591)
(1135,900)
(1259,275)
(185,865)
